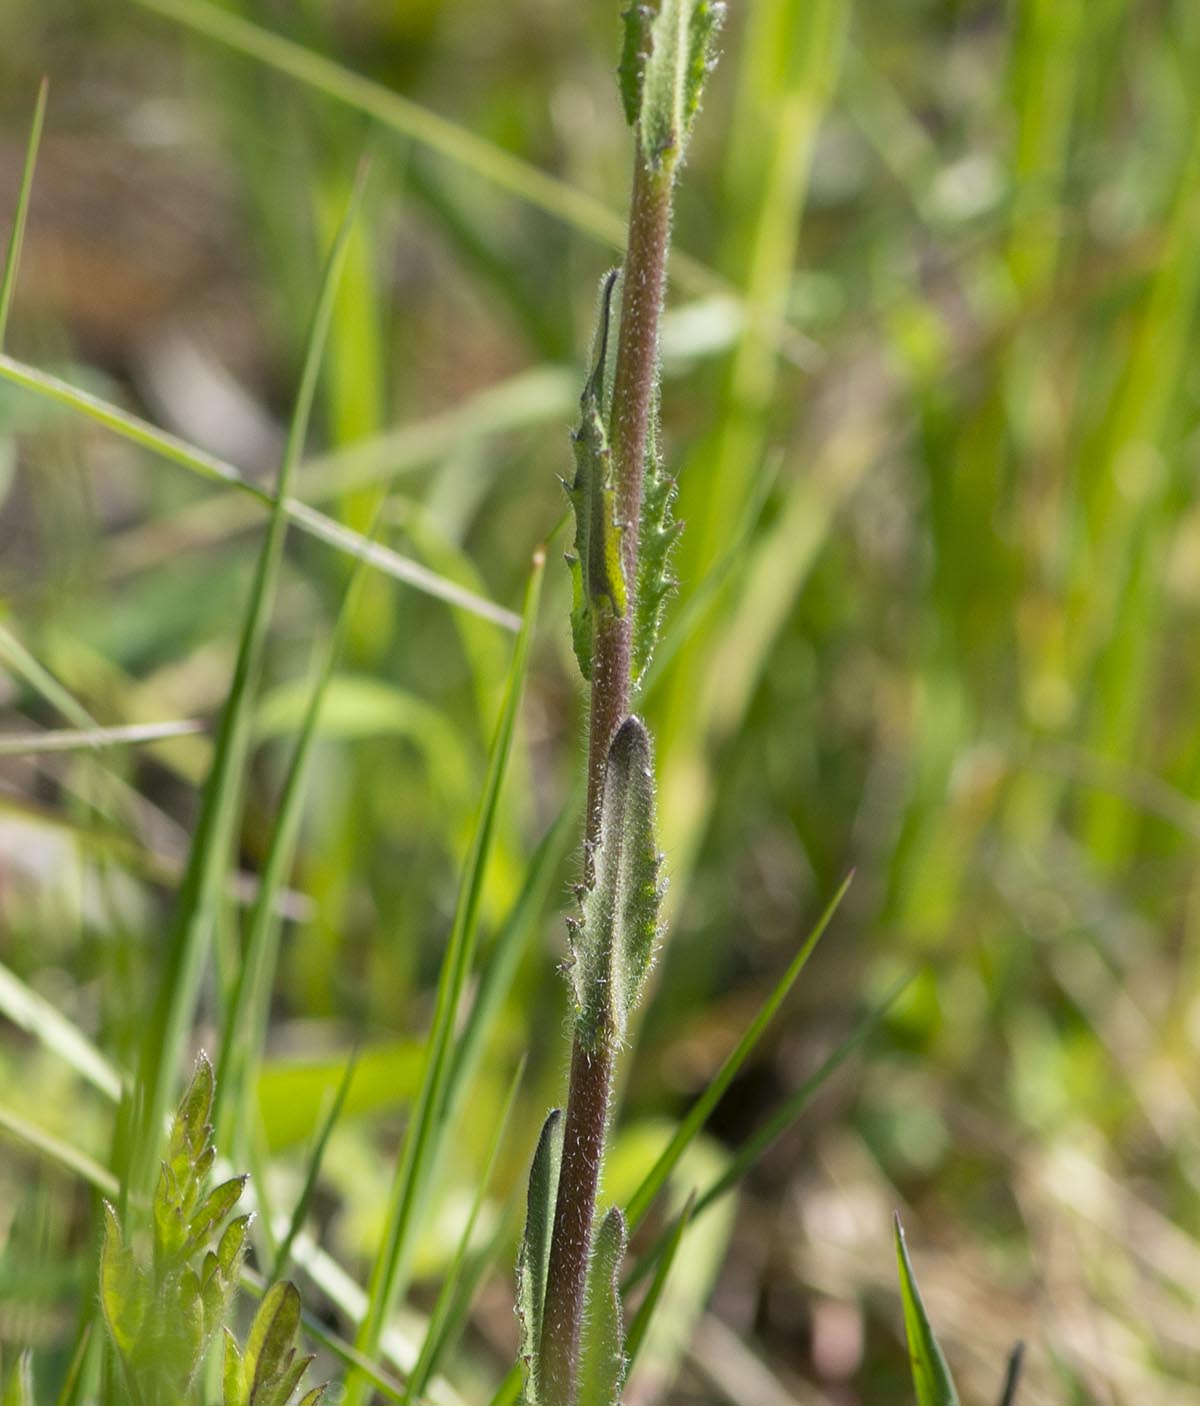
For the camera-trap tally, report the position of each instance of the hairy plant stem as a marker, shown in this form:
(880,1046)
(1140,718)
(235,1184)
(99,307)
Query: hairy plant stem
(634,389)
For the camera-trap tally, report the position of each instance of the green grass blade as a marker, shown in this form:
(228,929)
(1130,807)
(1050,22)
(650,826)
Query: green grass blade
(509,1390)
(433,1347)
(645,1310)
(37,1017)
(245,1027)
(196,911)
(419,1151)
(30,744)
(316,1157)
(12,258)
(177,451)
(784,1116)
(62,1154)
(519,929)
(931,1375)
(701,1110)
(17,658)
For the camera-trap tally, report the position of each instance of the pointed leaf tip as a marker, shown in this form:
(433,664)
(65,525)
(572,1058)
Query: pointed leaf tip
(931,1374)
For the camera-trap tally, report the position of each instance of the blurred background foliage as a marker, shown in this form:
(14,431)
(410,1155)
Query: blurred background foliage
(932,397)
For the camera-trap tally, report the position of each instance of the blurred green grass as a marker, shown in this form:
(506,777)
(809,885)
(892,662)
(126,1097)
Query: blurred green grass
(933,405)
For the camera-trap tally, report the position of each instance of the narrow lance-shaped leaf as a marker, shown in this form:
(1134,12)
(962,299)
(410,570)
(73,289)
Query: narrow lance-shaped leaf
(931,1375)
(681,51)
(602,1350)
(18,1389)
(658,530)
(635,50)
(123,1291)
(535,1246)
(597,577)
(612,945)
(12,259)
(437,1332)
(654,1180)
(645,1311)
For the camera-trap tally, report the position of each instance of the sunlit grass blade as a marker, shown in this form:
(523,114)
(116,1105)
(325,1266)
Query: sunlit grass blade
(640,1322)
(784,1116)
(439,1319)
(26,744)
(931,1375)
(245,1027)
(199,899)
(61,1154)
(312,1172)
(701,1110)
(17,657)
(31,1012)
(511,943)
(12,257)
(421,1140)
(177,451)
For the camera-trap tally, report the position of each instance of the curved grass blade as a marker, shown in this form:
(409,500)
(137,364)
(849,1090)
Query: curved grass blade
(284,1249)
(787,1113)
(645,1310)
(200,895)
(423,1135)
(177,451)
(701,1110)
(931,1375)
(12,258)
(439,1320)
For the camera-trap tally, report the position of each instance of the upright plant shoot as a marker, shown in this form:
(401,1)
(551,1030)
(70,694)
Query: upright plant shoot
(570,1309)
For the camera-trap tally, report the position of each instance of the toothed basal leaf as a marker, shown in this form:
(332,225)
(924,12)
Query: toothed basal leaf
(597,576)
(682,36)
(532,1265)
(602,1352)
(613,942)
